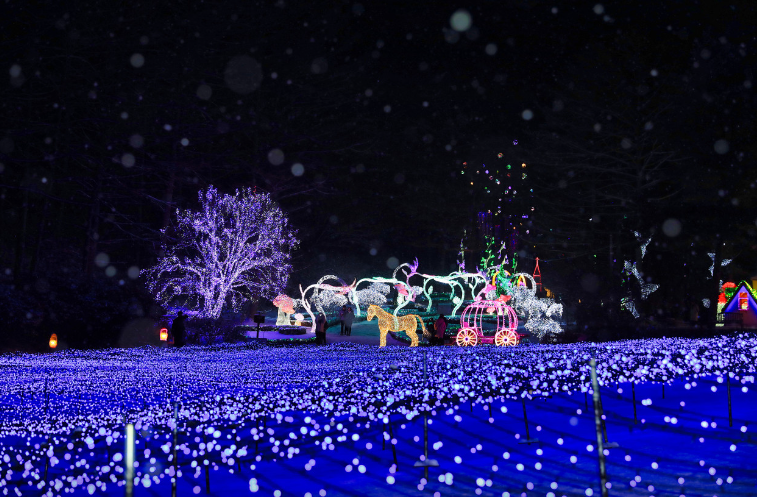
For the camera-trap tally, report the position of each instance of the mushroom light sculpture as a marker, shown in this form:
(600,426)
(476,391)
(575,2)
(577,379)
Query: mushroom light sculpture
(286,309)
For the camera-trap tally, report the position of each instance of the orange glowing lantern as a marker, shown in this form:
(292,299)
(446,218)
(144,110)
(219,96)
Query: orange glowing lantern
(53,341)
(163,334)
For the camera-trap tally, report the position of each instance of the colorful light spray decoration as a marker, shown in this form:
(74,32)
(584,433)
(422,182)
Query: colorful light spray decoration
(235,247)
(461,255)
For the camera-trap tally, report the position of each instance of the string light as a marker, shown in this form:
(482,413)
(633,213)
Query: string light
(234,248)
(327,397)
(375,294)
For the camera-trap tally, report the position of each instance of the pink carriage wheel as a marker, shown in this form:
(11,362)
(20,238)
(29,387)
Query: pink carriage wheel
(506,338)
(467,337)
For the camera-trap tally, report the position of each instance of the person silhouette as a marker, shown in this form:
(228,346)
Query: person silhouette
(441,327)
(342,313)
(178,330)
(320,329)
(348,319)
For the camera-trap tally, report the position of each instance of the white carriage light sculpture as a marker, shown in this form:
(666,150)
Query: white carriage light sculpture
(471,324)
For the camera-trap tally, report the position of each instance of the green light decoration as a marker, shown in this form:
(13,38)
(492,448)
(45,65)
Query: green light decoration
(502,283)
(488,258)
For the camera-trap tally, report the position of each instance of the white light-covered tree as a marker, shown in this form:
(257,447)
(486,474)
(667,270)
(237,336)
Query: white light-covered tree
(234,248)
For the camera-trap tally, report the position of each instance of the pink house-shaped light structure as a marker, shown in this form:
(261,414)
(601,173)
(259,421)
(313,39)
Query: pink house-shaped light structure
(743,301)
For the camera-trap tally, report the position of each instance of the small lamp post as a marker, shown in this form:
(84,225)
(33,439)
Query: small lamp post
(258,318)
(53,341)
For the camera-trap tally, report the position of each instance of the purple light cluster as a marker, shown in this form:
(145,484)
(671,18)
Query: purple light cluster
(235,247)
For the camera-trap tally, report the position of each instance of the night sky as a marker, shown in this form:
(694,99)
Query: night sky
(358,119)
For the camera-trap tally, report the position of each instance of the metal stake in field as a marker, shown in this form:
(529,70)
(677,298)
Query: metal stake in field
(528,439)
(728,387)
(391,441)
(206,463)
(47,459)
(129,470)
(426,462)
(383,439)
(175,440)
(47,397)
(598,424)
(47,446)
(608,445)
(633,401)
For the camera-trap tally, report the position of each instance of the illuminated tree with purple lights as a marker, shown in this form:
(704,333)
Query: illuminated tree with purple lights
(234,248)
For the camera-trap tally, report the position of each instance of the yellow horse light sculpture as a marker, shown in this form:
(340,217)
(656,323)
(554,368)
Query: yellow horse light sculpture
(387,323)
